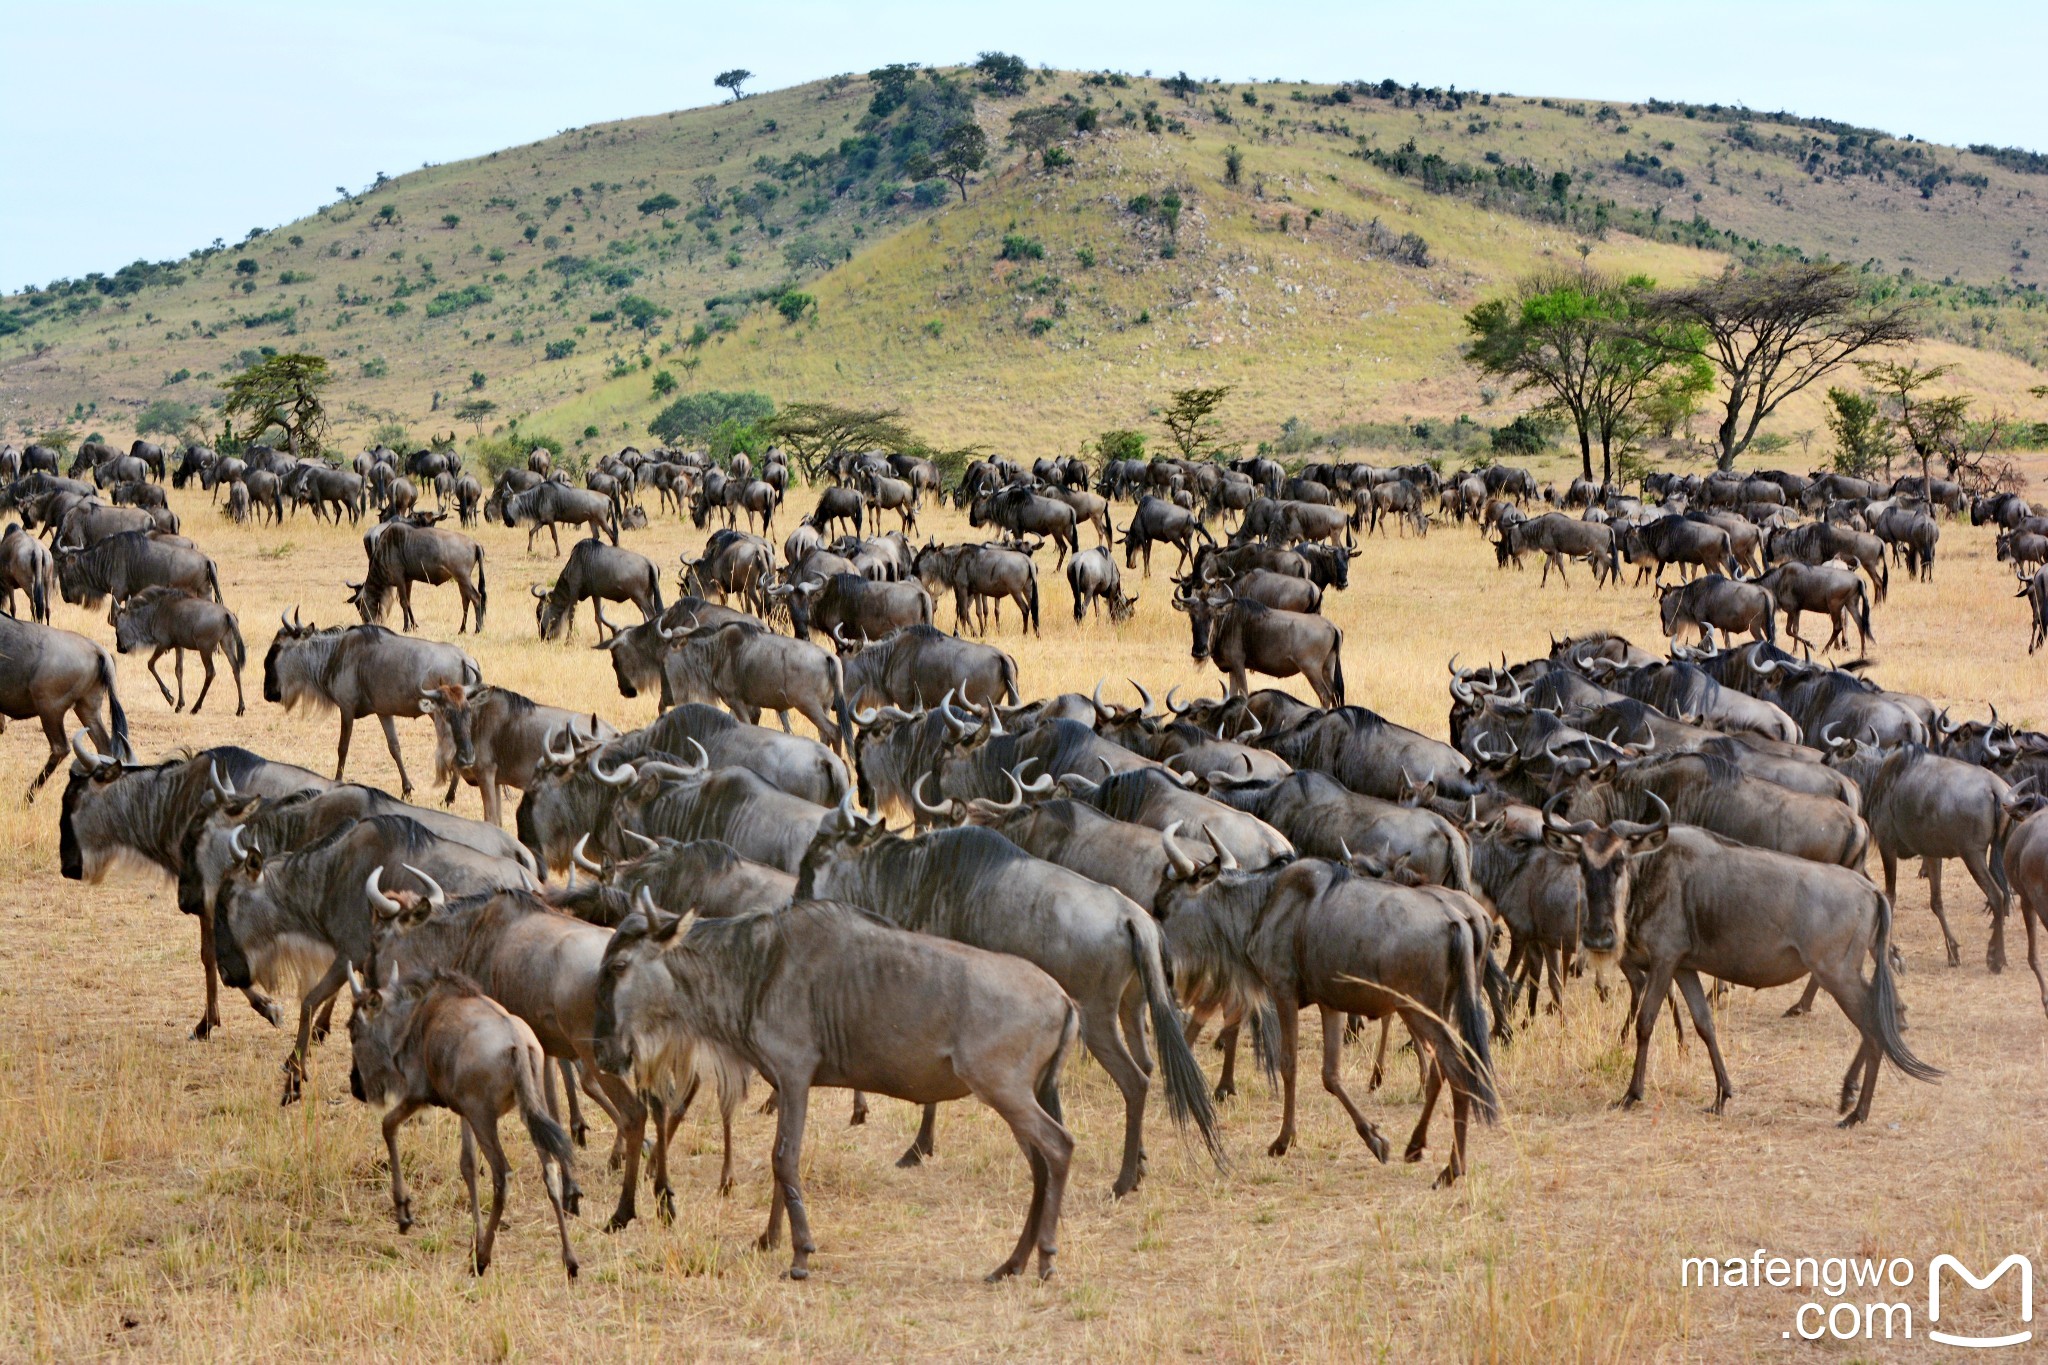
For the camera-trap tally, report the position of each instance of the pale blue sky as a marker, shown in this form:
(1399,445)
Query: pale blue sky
(147,129)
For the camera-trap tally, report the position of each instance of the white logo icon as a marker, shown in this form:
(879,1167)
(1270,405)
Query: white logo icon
(2014,1261)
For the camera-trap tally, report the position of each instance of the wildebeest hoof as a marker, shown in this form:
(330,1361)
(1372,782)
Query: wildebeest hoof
(573,1267)
(796,1272)
(201,1031)
(1413,1154)
(479,1264)
(725,1185)
(1798,1008)
(402,1215)
(665,1205)
(1445,1178)
(572,1199)
(1630,1100)
(1851,1121)
(272,1012)
(1224,1092)
(581,1134)
(911,1158)
(1378,1075)
(619,1220)
(1279,1145)
(1376,1144)
(1001,1273)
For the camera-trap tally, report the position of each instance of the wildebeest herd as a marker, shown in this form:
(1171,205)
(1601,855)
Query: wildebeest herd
(957,881)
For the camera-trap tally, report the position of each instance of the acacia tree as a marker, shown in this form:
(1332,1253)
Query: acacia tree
(963,150)
(1772,330)
(732,80)
(1591,345)
(817,432)
(1190,419)
(281,391)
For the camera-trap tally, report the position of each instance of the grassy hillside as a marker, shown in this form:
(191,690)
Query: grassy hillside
(1326,284)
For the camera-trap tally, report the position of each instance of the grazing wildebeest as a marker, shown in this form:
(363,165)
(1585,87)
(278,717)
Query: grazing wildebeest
(171,619)
(747,669)
(27,565)
(1243,635)
(978,575)
(236,508)
(1313,932)
(600,573)
(1159,521)
(45,672)
(1924,805)
(549,504)
(838,504)
(1092,576)
(1712,602)
(402,553)
(918,665)
(493,738)
(1702,904)
(1025,513)
(754,989)
(1825,589)
(361,671)
(117,813)
(973,886)
(122,565)
(440,1041)
(852,610)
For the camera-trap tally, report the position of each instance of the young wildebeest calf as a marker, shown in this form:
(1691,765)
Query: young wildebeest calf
(803,996)
(439,1041)
(171,619)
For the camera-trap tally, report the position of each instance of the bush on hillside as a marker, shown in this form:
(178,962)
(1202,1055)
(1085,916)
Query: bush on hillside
(692,419)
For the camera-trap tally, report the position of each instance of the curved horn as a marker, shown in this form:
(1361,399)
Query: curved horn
(925,807)
(1151,708)
(617,777)
(1179,710)
(866,718)
(235,849)
(436,897)
(1828,738)
(1176,857)
(1344,848)
(373,888)
(652,844)
(1629,829)
(1036,787)
(1102,712)
(582,859)
(1225,859)
(535,589)
(222,788)
(1016,800)
(85,754)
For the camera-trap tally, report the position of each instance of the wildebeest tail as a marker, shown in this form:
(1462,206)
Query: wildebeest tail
(2007,804)
(654,586)
(549,1137)
(237,651)
(1770,617)
(1034,601)
(1187,1089)
(842,714)
(1010,680)
(213,581)
(1466,1059)
(39,592)
(1047,1090)
(1337,669)
(1863,606)
(1884,1002)
(117,719)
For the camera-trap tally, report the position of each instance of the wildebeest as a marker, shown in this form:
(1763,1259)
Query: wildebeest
(1701,904)
(171,619)
(1092,576)
(1817,542)
(1711,602)
(2026,866)
(979,575)
(1677,540)
(1158,521)
(2034,587)
(1242,635)
(852,610)
(918,665)
(493,738)
(361,671)
(402,553)
(707,873)
(659,799)
(1324,819)
(837,504)
(122,565)
(748,669)
(1369,753)
(89,523)
(1025,513)
(1559,537)
(1314,933)
(1149,795)
(236,508)
(637,652)
(1714,794)
(797,995)
(548,504)
(27,565)
(1826,589)
(440,1041)
(45,672)
(600,573)
(734,564)
(974,886)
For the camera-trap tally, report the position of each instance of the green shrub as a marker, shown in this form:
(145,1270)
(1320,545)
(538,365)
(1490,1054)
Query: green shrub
(659,203)
(455,300)
(664,383)
(694,417)
(1017,247)
(561,350)
(793,304)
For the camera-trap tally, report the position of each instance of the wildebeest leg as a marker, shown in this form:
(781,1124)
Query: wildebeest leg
(1333,1081)
(178,668)
(1932,867)
(1379,1058)
(401,1198)
(1649,1004)
(209,1018)
(322,993)
(859,1115)
(1995,899)
(485,1127)
(2028,916)
(391,743)
(160,686)
(1050,1147)
(921,1145)
(603,626)
(1099,1034)
(1703,1024)
(1805,1001)
(476,1221)
(1432,1086)
(1554,969)
(1284,1045)
(1132,1014)
(579,1131)
(348,727)
(323,1022)
(205,658)
(1854,995)
(795,1093)
(657,1174)
(632,1130)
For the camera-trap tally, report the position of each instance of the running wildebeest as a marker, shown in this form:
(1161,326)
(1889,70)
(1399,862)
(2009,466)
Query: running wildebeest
(402,553)
(440,1041)
(45,672)
(599,573)
(171,619)
(754,989)
(361,671)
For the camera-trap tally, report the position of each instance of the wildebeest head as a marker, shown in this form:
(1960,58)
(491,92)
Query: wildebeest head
(1605,855)
(448,705)
(290,632)
(1203,610)
(90,792)
(571,794)
(633,987)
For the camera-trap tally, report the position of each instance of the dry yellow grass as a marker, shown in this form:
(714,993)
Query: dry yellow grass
(163,1207)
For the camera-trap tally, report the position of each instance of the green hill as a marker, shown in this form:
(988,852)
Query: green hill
(798,243)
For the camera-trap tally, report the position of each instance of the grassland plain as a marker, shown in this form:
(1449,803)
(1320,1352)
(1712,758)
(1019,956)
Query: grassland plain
(506,278)
(162,1207)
